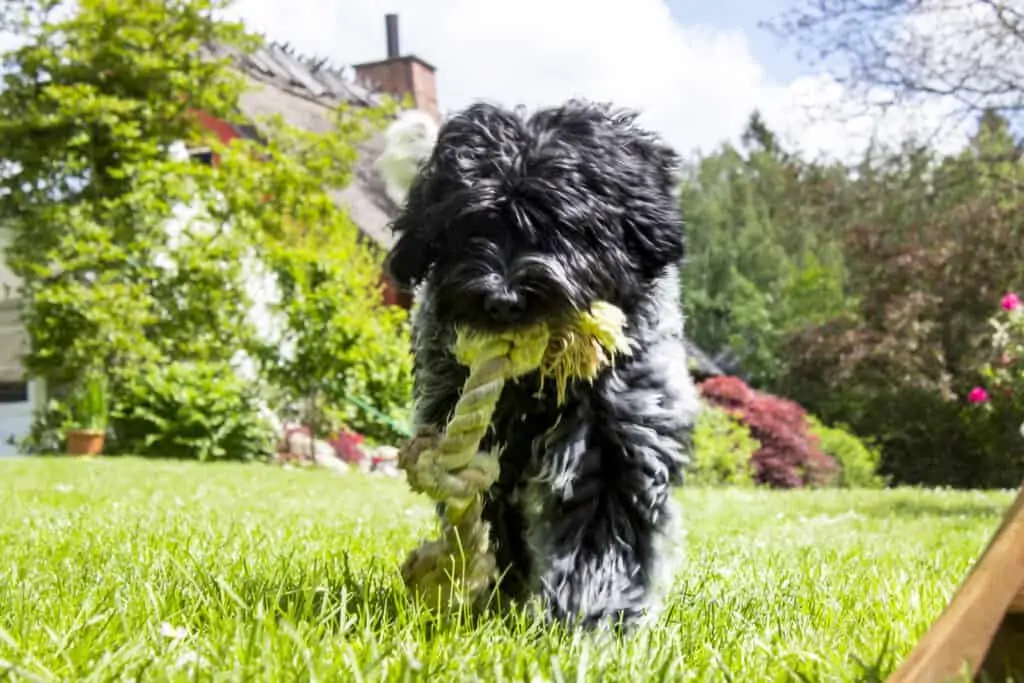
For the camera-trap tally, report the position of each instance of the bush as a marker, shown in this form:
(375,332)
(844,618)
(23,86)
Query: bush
(788,456)
(196,411)
(995,412)
(334,344)
(722,449)
(858,461)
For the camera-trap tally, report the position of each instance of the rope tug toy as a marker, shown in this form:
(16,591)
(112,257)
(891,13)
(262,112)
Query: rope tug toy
(456,568)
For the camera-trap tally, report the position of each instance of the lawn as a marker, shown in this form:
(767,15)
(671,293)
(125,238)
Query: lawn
(123,569)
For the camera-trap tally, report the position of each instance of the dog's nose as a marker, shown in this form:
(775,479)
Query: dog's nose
(504,306)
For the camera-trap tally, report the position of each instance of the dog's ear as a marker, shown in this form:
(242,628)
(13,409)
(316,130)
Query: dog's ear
(408,262)
(451,181)
(653,222)
(412,255)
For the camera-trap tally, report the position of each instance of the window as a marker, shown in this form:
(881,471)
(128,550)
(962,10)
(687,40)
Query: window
(13,392)
(202,155)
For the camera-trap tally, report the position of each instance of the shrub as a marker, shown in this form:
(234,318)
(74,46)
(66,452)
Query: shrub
(858,461)
(199,411)
(722,449)
(995,409)
(333,344)
(1004,374)
(788,456)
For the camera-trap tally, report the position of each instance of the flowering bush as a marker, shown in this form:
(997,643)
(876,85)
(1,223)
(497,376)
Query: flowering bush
(1004,374)
(997,404)
(789,455)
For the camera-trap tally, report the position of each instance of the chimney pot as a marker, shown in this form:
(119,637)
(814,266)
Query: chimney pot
(391,26)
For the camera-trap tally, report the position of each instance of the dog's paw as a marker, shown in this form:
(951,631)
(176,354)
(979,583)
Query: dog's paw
(410,454)
(426,438)
(434,476)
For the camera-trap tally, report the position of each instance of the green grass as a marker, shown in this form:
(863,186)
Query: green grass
(125,569)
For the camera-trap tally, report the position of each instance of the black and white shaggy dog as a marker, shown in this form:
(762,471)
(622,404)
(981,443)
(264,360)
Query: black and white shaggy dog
(514,219)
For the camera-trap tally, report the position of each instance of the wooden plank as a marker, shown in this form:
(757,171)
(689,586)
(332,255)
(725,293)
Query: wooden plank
(1005,659)
(1017,606)
(962,635)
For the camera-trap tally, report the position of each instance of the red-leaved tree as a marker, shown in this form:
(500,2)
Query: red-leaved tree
(789,456)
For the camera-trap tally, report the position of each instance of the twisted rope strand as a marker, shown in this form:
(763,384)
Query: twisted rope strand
(457,568)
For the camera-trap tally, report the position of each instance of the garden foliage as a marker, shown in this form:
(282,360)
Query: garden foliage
(338,350)
(135,260)
(191,410)
(722,450)
(897,263)
(858,460)
(788,455)
(995,410)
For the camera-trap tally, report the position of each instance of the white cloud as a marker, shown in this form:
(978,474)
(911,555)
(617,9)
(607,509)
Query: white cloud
(816,114)
(694,84)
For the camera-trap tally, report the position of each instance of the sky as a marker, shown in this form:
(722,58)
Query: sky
(694,70)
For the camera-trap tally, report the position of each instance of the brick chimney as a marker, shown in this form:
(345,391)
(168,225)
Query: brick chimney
(399,76)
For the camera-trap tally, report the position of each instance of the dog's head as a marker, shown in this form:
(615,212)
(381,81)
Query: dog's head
(512,219)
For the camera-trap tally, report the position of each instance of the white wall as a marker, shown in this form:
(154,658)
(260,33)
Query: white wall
(15,417)
(8,280)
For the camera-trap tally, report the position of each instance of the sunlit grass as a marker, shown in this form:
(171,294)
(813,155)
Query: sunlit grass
(121,569)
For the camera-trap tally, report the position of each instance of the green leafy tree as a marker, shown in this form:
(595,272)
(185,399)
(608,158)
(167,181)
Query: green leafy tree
(760,261)
(94,97)
(117,274)
(339,349)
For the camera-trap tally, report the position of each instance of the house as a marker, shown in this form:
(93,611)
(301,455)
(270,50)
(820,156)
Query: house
(304,92)
(18,396)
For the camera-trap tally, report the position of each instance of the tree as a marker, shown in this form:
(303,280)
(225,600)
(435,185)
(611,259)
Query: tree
(760,260)
(94,97)
(963,54)
(933,243)
(131,256)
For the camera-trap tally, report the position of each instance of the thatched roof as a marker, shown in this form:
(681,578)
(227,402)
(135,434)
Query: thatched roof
(305,92)
(367,202)
(701,364)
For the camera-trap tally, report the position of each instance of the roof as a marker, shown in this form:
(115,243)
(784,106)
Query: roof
(366,198)
(309,78)
(305,92)
(701,364)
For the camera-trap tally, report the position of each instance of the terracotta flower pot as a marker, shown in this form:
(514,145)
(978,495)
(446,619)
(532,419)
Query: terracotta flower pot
(85,441)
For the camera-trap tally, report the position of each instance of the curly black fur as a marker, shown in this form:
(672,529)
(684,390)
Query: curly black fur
(515,219)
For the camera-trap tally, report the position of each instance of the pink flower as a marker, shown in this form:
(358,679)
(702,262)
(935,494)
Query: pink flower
(1011,302)
(977,395)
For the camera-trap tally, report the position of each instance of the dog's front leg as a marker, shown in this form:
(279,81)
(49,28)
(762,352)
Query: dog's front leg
(603,512)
